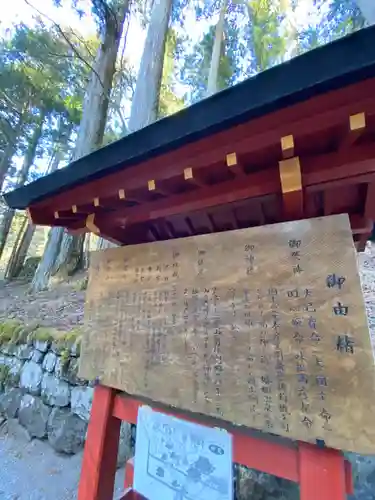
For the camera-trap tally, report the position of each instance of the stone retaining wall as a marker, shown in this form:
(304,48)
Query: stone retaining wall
(39,385)
(41,388)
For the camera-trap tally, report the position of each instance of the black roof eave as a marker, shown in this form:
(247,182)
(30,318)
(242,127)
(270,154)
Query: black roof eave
(338,64)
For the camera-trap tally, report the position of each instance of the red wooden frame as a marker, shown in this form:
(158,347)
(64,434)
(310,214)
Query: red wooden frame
(337,175)
(322,473)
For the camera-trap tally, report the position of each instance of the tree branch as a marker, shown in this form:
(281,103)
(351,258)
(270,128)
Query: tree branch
(9,101)
(71,45)
(82,40)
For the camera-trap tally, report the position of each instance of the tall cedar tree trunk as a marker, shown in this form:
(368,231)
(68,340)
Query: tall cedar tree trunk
(367,8)
(90,137)
(20,250)
(29,157)
(145,103)
(18,257)
(216,52)
(10,149)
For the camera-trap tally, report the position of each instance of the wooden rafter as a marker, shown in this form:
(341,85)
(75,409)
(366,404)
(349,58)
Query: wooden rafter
(307,118)
(355,128)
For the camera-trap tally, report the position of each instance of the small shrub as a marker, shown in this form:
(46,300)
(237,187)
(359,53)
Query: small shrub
(73,335)
(21,337)
(64,357)
(42,334)
(81,285)
(10,331)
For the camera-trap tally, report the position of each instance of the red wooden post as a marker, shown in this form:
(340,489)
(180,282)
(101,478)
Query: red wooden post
(321,473)
(129,473)
(100,454)
(130,494)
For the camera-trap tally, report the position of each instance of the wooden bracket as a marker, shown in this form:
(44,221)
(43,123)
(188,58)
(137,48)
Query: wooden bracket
(291,187)
(290,175)
(156,189)
(357,125)
(287,146)
(192,177)
(90,224)
(357,122)
(234,165)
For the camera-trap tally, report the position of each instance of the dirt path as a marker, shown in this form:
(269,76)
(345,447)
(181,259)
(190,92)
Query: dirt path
(31,470)
(60,307)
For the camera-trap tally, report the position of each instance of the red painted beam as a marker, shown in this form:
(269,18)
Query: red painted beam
(256,185)
(300,463)
(279,460)
(259,184)
(319,169)
(303,119)
(370,201)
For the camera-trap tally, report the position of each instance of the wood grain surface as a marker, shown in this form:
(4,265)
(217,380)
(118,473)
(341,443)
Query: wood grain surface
(264,327)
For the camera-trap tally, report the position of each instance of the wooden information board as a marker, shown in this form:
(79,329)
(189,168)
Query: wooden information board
(264,327)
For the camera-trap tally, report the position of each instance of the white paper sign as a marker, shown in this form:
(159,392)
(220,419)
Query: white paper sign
(179,460)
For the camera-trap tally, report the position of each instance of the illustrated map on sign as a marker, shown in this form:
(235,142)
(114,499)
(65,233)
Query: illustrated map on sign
(179,460)
(264,327)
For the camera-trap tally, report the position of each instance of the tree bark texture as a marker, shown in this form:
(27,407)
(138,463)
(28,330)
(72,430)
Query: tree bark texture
(96,101)
(44,269)
(28,160)
(216,53)
(145,103)
(90,137)
(10,149)
(19,252)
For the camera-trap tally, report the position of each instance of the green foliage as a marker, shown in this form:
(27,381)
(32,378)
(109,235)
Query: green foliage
(252,43)
(64,358)
(195,70)
(265,42)
(81,284)
(14,332)
(11,331)
(4,374)
(64,341)
(43,334)
(343,17)
(61,341)
(41,77)
(7,378)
